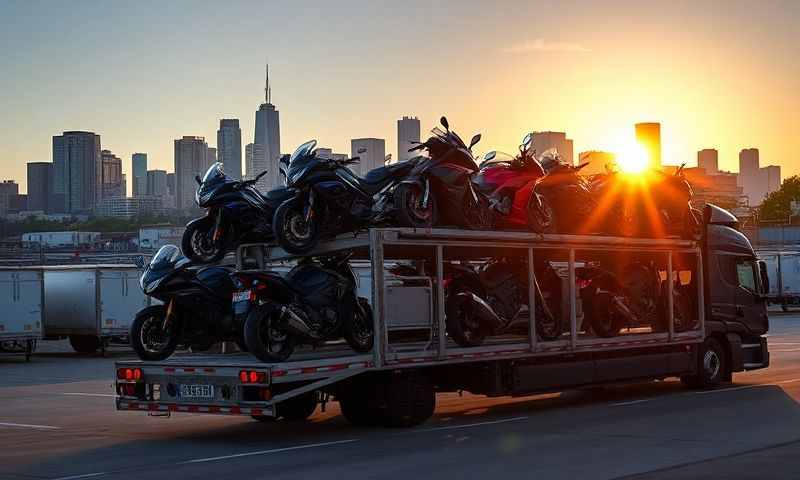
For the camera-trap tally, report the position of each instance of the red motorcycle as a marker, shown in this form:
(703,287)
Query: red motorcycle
(508,182)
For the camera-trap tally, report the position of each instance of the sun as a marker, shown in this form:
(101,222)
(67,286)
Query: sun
(632,158)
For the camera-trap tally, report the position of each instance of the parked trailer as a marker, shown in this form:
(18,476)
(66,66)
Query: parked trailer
(92,305)
(783,269)
(396,384)
(21,303)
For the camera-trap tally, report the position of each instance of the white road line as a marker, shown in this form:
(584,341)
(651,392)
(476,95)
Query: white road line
(467,425)
(784,343)
(632,402)
(265,452)
(80,394)
(25,425)
(87,475)
(720,390)
(784,351)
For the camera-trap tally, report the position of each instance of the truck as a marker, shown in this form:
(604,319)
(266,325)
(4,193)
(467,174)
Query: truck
(21,300)
(414,357)
(91,305)
(783,270)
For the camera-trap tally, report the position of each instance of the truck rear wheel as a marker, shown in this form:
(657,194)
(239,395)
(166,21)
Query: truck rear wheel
(358,402)
(410,400)
(84,343)
(712,366)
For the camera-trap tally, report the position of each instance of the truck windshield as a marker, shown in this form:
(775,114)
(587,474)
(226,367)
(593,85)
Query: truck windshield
(746,274)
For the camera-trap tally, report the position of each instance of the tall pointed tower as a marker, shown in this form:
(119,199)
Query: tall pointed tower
(268,137)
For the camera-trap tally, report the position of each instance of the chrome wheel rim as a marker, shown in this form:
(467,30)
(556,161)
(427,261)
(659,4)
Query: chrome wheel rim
(711,364)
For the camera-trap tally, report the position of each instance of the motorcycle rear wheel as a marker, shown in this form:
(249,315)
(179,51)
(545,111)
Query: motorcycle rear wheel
(408,203)
(604,320)
(358,331)
(463,327)
(292,232)
(198,244)
(263,338)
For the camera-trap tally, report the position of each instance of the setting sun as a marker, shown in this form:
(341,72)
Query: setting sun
(632,158)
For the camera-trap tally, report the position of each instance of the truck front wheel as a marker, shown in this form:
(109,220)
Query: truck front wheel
(712,366)
(84,343)
(410,400)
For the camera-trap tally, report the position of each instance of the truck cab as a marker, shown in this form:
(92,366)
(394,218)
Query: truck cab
(736,288)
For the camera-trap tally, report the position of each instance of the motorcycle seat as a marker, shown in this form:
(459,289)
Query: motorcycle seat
(375,179)
(276,196)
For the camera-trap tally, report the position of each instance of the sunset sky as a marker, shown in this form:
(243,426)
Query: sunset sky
(722,75)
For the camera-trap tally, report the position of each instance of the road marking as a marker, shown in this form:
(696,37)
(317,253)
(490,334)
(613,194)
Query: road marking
(631,402)
(25,425)
(468,425)
(720,390)
(784,351)
(80,394)
(266,452)
(785,343)
(87,475)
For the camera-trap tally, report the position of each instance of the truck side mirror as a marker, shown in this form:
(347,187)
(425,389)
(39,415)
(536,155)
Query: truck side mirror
(762,270)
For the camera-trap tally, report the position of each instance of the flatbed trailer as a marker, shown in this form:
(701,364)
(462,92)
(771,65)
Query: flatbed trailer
(413,357)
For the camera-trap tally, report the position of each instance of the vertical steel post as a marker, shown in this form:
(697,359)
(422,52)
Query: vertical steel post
(573,309)
(380,335)
(531,302)
(670,298)
(440,313)
(701,302)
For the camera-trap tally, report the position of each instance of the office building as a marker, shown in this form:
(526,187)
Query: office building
(171,184)
(9,189)
(112,183)
(139,173)
(648,135)
(719,188)
(750,176)
(157,183)
(372,156)
(543,141)
(191,159)
(408,132)
(229,147)
(77,171)
(598,162)
(40,186)
(267,134)
(130,207)
(255,160)
(770,178)
(708,159)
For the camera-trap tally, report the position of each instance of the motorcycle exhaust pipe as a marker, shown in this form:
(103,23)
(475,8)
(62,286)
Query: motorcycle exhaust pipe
(488,319)
(297,325)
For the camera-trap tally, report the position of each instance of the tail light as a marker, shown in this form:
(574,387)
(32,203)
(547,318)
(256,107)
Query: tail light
(583,283)
(129,374)
(252,376)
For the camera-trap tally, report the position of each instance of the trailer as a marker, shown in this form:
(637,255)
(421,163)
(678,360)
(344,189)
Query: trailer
(783,270)
(21,302)
(92,305)
(413,356)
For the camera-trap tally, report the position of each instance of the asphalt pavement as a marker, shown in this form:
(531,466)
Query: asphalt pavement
(57,421)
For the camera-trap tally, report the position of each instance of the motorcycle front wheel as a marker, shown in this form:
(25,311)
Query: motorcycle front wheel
(358,332)
(410,213)
(605,322)
(540,217)
(462,326)
(264,338)
(293,232)
(198,242)
(149,339)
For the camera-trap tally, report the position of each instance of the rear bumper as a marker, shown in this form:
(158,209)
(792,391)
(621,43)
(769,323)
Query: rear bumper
(166,407)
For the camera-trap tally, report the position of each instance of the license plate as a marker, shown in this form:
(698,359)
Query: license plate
(241,302)
(200,392)
(241,296)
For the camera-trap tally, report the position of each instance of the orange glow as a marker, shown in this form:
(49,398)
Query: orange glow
(632,158)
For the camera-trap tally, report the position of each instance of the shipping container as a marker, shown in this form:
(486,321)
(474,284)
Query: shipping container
(21,304)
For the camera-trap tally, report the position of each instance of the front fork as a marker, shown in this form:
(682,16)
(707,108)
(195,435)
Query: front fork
(426,193)
(168,316)
(217,226)
(309,211)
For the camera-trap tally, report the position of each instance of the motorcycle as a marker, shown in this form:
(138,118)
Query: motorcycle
(314,302)
(196,311)
(440,189)
(329,199)
(236,212)
(509,183)
(639,299)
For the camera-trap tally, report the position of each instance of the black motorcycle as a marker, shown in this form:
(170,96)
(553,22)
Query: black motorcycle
(329,199)
(236,212)
(196,312)
(314,302)
(440,190)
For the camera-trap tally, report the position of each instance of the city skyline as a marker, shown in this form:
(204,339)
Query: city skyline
(706,90)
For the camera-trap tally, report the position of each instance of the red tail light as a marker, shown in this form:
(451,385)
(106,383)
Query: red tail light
(243,377)
(129,374)
(252,376)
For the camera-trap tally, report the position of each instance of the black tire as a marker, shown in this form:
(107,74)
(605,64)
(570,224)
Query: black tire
(685,319)
(712,366)
(84,343)
(410,400)
(358,331)
(199,246)
(604,321)
(409,213)
(267,343)
(541,220)
(358,403)
(240,344)
(548,323)
(299,408)
(480,216)
(462,327)
(292,232)
(147,332)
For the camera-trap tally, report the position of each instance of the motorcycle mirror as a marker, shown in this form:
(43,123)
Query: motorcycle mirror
(581,166)
(361,150)
(444,122)
(198,179)
(475,139)
(527,140)
(679,171)
(490,156)
(419,146)
(138,260)
(260,175)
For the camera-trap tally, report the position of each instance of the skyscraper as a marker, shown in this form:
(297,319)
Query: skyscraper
(191,159)
(139,173)
(708,159)
(372,157)
(255,159)
(157,183)
(111,178)
(77,171)
(407,132)
(543,141)
(9,190)
(749,175)
(229,147)
(211,156)
(40,185)
(648,135)
(268,134)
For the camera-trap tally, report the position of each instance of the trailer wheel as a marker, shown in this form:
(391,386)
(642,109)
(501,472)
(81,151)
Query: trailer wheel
(84,343)
(712,366)
(358,402)
(299,408)
(410,400)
